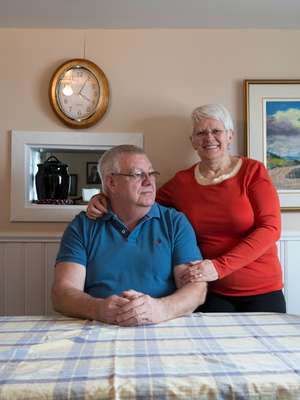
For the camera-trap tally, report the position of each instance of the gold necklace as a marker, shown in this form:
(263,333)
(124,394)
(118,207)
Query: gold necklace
(202,180)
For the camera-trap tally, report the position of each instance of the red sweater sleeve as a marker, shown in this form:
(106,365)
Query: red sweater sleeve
(266,231)
(166,194)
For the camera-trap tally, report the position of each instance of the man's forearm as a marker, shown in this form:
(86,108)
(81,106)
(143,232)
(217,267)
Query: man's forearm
(75,303)
(184,301)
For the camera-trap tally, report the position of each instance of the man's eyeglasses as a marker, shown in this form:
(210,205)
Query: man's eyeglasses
(214,132)
(139,175)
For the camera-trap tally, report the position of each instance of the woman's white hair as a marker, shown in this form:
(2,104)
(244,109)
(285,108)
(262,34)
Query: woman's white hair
(213,111)
(109,161)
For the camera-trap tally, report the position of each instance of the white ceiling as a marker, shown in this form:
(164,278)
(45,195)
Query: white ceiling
(87,14)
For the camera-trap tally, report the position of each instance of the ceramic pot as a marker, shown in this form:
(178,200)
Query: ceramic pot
(52,180)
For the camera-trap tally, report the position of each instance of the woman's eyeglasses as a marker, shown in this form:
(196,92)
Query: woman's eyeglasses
(214,132)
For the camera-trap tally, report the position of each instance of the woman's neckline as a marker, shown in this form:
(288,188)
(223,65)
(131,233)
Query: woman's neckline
(202,180)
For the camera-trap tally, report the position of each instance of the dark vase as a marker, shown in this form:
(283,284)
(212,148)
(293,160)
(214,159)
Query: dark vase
(52,180)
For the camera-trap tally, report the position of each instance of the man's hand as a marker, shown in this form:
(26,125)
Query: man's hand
(97,206)
(203,271)
(141,309)
(109,309)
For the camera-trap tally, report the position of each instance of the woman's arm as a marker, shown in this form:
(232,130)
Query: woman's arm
(166,194)
(266,231)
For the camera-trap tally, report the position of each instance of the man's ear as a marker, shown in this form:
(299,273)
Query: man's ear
(110,184)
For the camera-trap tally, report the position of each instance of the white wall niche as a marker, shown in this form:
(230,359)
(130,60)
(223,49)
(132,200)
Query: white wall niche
(25,144)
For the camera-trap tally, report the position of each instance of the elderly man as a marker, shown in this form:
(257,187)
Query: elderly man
(124,268)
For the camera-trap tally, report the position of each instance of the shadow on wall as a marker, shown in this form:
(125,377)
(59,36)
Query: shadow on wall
(167,143)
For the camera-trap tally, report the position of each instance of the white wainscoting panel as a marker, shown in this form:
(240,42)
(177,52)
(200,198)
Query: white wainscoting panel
(27,269)
(51,250)
(2,284)
(289,255)
(26,275)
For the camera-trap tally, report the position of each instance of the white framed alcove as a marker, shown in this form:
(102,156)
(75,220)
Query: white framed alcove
(24,147)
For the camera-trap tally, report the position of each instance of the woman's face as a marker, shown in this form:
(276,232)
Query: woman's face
(210,139)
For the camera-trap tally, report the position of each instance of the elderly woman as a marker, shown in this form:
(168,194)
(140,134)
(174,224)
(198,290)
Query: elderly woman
(234,209)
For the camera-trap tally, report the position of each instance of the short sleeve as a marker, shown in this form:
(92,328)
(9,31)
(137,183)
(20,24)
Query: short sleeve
(185,243)
(72,247)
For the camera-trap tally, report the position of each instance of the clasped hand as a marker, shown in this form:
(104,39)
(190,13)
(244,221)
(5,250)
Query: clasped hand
(199,271)
(132,308)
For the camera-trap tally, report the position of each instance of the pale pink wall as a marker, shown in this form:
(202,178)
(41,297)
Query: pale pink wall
(156,78)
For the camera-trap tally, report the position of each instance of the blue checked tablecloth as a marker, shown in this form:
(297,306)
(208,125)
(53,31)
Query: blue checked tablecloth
(202,356)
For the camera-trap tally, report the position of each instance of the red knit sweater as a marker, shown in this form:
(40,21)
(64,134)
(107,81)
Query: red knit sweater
(237,223)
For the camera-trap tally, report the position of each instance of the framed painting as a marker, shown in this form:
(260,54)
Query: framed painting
(92,175)
(272,133)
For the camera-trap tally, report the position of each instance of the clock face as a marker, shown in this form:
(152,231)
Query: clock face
(78,93)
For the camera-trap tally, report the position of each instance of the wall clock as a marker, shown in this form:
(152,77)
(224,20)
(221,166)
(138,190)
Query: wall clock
(79,93)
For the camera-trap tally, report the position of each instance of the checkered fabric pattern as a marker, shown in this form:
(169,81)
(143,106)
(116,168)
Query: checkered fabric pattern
(202,356)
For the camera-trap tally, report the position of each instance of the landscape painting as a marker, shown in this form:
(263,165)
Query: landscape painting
(283,143)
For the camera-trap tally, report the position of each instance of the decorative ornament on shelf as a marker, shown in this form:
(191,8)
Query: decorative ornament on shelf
(79,93)
(52,181)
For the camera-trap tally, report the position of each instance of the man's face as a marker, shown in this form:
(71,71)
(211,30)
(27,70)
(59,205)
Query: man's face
(134,190)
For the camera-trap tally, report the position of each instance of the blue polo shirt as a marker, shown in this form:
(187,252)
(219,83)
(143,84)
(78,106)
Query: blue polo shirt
(143,259)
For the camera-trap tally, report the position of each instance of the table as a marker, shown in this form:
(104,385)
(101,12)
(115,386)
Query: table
(201,356)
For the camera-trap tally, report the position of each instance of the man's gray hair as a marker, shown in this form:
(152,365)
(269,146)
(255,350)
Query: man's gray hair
(213,111)
(109,161)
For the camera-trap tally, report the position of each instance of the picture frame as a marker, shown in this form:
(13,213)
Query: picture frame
(92,174)
(272,133)
(73,185)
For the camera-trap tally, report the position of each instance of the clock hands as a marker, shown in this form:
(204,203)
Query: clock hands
(82,87)
(85,97)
